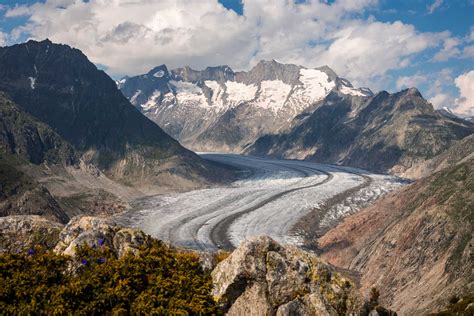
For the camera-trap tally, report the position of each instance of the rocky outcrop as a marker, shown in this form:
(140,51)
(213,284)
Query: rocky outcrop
(22,195)
(415,245)
(23,232)
(461,151)
(262,277)
(96,231)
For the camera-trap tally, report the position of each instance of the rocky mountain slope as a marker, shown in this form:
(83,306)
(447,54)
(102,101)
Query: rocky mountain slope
(387,133)
(217,109)
(20,194)
(41,173)
(415,245)
(36,142)
(459,152)
(59,86)
(23,141)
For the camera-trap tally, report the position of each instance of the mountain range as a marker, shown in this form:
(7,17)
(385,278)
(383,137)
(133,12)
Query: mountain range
(59,86)
(65,127)
(74,142)
(221,110)
(289,111)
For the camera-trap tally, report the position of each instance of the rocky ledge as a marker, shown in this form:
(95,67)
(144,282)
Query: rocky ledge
(22,232)
(261,277)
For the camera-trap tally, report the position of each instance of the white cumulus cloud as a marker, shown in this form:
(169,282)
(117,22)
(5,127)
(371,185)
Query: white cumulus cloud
(465,84)
(3,39)
(130,37)
(410,81)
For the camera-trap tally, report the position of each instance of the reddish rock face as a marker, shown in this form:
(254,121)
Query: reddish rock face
(414,245)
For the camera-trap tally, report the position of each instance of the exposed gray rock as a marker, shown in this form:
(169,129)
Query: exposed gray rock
(22,232)
(262,277)
(387,133)
(94,230)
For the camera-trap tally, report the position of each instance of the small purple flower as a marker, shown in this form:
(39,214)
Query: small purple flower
(84,261)
(31,252)
(102,260)
(101,242)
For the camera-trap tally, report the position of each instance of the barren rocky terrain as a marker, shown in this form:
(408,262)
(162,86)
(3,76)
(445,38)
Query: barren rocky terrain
(415,244)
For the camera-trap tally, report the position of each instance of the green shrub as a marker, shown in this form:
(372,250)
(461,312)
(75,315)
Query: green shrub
(158,280)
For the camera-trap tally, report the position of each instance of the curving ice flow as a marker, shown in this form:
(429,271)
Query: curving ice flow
(271,197)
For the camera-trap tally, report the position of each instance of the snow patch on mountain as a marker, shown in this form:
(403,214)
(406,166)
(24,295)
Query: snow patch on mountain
(347,88)
(169,100)
(133,99)
(189,93)
(316,84)
(152,101)
(159,74)
(120,83)
(32,82)
(447,109)
(273,94)
(217,99)
(238,92)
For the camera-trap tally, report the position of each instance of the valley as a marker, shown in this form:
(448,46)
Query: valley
(285,166)
(270,198)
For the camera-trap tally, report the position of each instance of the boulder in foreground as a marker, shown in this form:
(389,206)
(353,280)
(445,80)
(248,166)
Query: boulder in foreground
(262,277)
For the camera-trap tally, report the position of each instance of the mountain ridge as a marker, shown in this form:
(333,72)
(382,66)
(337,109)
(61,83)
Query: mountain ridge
(388,133)
(196,107)
(59,86)
(290,111)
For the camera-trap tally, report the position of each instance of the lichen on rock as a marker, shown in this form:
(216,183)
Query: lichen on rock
(262,277)
(94,230)
(19,233)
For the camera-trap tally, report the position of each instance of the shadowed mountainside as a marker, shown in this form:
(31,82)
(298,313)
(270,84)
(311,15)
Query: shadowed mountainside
(388,133)
(59,86)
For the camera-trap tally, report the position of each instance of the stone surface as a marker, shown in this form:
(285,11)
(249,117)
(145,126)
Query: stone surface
(22,232)
(415,245)
(262,277)
(89,230)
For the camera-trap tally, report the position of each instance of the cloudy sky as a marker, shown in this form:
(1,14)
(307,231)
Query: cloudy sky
(382,44)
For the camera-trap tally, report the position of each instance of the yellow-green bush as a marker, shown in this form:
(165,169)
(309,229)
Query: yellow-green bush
(158,280)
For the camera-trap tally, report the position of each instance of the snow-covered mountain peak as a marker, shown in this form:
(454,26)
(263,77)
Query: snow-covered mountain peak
(447,110)
(187,102)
